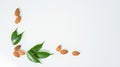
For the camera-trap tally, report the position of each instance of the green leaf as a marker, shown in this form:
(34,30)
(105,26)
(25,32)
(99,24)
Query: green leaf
(34,53)
(37,47)
(31,56)
(17,39)
(14,35)
(43,54)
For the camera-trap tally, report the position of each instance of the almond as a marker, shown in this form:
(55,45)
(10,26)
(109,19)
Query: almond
(59,47)
(21,52)
(16,54)
(75,53)
(17,12)
(18,19)
(64,51)
(17,47)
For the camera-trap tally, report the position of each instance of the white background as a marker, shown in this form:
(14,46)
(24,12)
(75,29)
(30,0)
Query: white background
(89,26)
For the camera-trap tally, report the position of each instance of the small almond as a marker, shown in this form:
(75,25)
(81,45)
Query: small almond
(64,51)
(16,54)
(21,52)
(17,12)
(18,19)
(58,48)
(75,53)
(17,47)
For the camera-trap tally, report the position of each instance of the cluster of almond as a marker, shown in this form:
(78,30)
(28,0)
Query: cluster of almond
(18,52)
(65,51)
(17,13)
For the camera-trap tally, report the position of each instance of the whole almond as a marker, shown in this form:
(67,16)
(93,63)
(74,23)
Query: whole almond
(59,47)
(16,54)
(21,52)
(64,51)
(75,53)
(18,19)
(17,12)
(17,47)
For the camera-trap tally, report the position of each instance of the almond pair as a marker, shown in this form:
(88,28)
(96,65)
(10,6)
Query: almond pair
(62,51)
(65,51)
(17,52)
(17,13)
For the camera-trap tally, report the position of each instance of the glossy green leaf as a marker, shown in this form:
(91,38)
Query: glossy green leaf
(17,39)
(31,56)
(34,54)
(43,54)
(37,47)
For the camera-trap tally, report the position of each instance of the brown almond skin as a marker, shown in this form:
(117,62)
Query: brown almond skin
(64,51)
(18,19)
(21,52)
(17,47)
(17,12)
(16,54)
(59,47)
(75,53)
